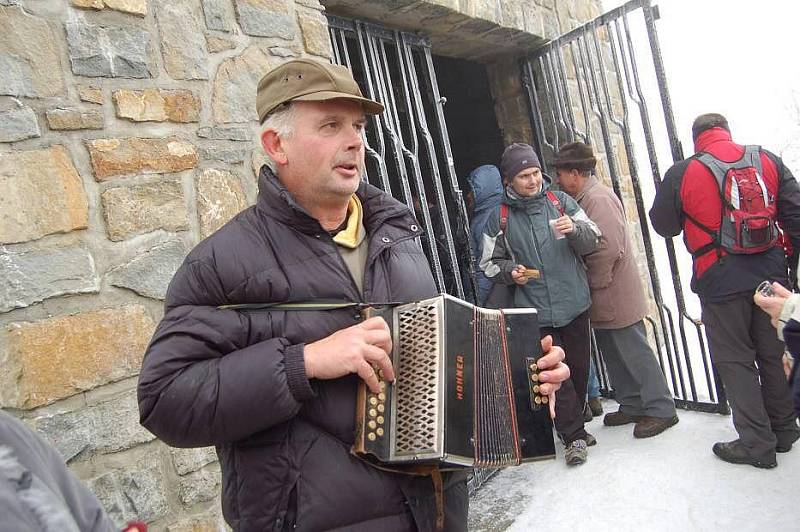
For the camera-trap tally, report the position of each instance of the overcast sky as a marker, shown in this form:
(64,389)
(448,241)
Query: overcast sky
(739,58)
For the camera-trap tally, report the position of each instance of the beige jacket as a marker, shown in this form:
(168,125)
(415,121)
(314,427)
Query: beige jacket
(614,280)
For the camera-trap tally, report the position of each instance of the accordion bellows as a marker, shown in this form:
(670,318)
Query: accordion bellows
(466,391)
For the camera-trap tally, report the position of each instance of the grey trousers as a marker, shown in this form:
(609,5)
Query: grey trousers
(748,356)
(639,385)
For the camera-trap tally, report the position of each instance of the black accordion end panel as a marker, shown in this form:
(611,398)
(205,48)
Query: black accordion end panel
(466,391)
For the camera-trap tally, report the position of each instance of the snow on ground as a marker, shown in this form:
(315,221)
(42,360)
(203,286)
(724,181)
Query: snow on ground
(670,482)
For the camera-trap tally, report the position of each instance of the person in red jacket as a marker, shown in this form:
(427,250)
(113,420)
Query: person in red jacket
(741,339)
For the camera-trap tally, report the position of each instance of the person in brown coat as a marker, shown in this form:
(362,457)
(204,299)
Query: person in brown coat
(618,303)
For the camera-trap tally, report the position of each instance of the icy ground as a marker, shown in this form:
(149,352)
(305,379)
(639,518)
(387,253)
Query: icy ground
(669,482)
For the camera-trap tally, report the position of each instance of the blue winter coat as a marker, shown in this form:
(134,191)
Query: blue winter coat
(487,187)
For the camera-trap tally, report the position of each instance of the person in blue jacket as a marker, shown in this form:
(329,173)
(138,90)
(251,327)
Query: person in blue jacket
(486,196)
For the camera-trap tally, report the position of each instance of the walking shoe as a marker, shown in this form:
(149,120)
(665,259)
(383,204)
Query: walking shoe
(619,418)
(596,406)
(785,439)
(648,426)
(576,452)
(736,453)
(587,413)
(590,440)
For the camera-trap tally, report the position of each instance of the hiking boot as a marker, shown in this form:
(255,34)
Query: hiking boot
(619,418)
(649,426)
(596,406)
(590,440)
(736,453)
(576,452)
(587,413)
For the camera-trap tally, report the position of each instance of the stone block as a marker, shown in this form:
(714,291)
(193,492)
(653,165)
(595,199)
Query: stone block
(109,427)
(219,198)
(200,486)
(149,274)
(40,193)
(134,7)
(316,38)
(216,44)
(116,157)
(138,493)
(183,44)
(131,211)
(90,94)
(190,460)
(154,105)
(226,133)
(219,15)
(224,155)
(280,51)
(313,4)
(88,4)
(58,357)
(488,10)
(108,51)
(17,122)
(29,275)
(30,70)
(61,119)
(266,18)
(235,86)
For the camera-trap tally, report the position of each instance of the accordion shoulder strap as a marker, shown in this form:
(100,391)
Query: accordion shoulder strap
(306,305)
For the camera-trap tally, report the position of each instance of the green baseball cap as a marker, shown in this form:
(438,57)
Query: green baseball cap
(307,80)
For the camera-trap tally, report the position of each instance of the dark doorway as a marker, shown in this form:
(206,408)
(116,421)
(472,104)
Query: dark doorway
(475,137)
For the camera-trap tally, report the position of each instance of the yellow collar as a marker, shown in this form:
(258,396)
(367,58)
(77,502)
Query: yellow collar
(350,236)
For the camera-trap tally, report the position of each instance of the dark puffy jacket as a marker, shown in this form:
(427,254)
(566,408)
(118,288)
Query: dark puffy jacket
(690,188)
(237,380)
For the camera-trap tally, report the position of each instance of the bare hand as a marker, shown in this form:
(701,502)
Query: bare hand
(552,360)
(773,305)
(518,275)
(352,350)
(565,225)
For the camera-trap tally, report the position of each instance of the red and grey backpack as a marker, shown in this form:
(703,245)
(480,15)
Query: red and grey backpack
(749,209)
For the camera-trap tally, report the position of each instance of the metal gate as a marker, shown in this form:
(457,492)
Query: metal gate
(587,85)
(408,149)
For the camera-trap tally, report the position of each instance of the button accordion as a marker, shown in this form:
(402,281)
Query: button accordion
(466,390)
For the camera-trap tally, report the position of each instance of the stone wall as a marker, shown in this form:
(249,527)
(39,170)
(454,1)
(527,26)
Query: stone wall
(127,134)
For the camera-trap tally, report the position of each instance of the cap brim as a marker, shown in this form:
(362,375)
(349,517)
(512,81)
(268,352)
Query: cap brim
(371,107)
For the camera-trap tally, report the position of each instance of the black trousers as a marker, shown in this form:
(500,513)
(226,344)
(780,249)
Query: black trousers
(747,354)
(575,339)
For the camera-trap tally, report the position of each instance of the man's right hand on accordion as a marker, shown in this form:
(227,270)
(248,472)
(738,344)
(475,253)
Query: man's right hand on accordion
(353,350)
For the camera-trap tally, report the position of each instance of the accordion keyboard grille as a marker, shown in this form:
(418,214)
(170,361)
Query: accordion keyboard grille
(417,412)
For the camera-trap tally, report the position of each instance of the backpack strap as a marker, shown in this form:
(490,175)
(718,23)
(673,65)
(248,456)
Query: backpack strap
(554,200)
(503,226)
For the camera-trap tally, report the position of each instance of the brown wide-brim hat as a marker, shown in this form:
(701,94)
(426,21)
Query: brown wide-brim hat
(307,80)
(575,155)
